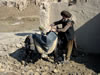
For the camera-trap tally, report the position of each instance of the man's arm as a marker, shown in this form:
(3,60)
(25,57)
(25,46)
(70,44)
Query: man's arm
(57,22)
(69,24)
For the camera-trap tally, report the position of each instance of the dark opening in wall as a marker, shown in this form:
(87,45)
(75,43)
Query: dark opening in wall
(59,0)
(71,2)
(86,0)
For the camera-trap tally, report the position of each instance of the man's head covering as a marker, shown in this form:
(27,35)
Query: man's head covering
(66,14)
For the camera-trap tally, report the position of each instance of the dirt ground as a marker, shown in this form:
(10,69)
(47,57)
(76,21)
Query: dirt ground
(11,57)
(12,60)
(81,65)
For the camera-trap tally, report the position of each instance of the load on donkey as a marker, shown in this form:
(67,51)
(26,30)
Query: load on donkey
(41,44)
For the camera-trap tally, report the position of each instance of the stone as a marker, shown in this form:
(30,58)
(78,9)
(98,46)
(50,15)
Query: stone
(11,73)
(1,68)
(5,47)
(3,53)
(18,45)
(44,73)
(36,73)
(23,62)
(46,68)
(37,69)
(55,70)
(30,72)
(98,73)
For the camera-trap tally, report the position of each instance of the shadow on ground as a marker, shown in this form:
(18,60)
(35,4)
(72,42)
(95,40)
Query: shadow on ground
(88,35)
(20,55)
(90,60)
(88,38)
(24,34)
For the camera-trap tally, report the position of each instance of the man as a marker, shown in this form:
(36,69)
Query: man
(66,33)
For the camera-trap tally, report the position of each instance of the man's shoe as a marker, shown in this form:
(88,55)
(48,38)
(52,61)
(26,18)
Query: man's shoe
(67,61)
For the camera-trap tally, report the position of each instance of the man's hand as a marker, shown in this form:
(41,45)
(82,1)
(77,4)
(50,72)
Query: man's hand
(53,28)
